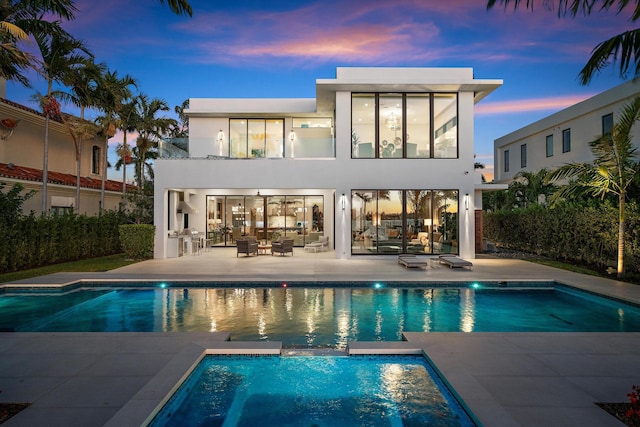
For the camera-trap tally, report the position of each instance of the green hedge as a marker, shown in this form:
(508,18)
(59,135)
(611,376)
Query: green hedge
(30,242)
(568,232)
(137,240)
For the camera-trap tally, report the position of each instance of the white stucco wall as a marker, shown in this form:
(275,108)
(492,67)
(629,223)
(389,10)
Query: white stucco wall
(585,121)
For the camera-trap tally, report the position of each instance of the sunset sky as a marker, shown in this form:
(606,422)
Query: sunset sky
(277,49)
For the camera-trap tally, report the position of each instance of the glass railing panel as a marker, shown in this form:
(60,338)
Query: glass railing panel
(199,148)
(173,148)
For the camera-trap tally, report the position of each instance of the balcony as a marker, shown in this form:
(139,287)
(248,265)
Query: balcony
(198,148)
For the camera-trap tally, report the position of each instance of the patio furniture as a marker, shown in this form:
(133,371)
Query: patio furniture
(282,247)
(411,261)
(454,262)
(322,244)
(247,245)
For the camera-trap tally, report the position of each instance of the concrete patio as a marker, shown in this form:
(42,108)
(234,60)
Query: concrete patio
(506,379)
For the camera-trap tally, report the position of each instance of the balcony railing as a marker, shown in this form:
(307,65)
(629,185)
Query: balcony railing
(173,148)
(301,148)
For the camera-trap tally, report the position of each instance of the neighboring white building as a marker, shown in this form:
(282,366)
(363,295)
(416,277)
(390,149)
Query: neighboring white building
(381,161)
(562,137)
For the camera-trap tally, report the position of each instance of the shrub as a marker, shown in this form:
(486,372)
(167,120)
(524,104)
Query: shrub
(30,241)
(572,232)
(137,240)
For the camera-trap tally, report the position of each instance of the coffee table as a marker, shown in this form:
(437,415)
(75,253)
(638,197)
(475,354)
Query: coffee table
(263,249)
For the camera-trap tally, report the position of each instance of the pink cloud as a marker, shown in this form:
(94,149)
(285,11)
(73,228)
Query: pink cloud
(529,105)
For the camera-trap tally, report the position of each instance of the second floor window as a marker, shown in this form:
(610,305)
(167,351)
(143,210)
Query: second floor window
(523,156)
(607,123)
(549,145)
(506,160)
(404,125)
(566,140)
(251,138)
(95,160)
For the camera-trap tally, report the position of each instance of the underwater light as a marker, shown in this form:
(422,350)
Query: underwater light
(163,285)
(377,285)
(284,285)
(475,285)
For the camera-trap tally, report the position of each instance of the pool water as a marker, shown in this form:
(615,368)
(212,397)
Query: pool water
(316,317)
(312,391)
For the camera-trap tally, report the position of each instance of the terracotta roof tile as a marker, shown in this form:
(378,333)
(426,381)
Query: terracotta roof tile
(30,110)
(30,174)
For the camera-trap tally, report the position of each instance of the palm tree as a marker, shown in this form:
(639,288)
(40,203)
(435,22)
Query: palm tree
(112,92)
(12,60)
(150,128)
(60,53)
(182,128)
(418,201)
(18,19)
(82,80)
(614,169)
(128,118)
(527,187)
(624,46)
(365,197)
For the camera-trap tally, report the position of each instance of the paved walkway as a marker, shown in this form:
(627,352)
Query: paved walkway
(507,379)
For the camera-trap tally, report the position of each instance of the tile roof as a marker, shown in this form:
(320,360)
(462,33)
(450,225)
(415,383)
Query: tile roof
(27,109)
(29,174)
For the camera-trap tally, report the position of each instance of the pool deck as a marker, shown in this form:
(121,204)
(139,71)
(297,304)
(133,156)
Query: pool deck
(506,379)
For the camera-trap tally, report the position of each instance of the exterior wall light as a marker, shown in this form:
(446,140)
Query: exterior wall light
(220,139)
(343,201)
(466,202)
(292,138)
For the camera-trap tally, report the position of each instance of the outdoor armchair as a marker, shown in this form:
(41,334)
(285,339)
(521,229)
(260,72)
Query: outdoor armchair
(282,247)
(247,245)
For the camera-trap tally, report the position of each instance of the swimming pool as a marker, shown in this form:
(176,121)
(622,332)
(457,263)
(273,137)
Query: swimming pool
(312,391)
(328,316)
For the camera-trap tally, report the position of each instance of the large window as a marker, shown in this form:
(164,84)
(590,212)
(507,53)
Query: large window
(418,125)
(95,160)
(363,126)
(404,125)
(607,123)
(404,221)
(549,142)
(445,122)
(312,137)
(390,125)
(254,138)
(523,156)
(506,160)
(266,217)
(566,140)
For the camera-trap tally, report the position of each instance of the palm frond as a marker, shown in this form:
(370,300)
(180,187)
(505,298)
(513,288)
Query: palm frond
(13,30)
(179,7)
(624,47)
(620,5)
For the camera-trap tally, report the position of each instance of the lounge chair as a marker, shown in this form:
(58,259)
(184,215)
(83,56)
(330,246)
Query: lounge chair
(247,245)
(282,247)
(454,262)
(322,244)
(411,261)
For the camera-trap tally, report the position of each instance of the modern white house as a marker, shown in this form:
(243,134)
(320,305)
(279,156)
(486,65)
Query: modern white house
(562,137)
(381,162)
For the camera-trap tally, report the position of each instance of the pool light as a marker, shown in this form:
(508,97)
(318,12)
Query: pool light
(163,285)
(284,285)
(377,285)
(475,285)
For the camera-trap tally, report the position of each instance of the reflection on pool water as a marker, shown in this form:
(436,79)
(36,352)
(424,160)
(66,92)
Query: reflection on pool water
(321,316)
(312,391)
